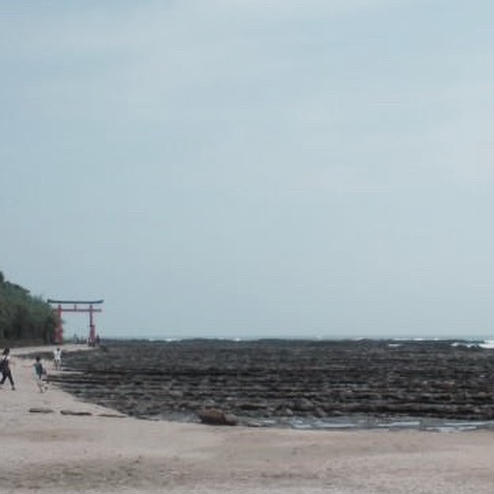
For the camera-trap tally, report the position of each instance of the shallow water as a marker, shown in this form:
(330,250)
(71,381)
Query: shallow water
(355,422)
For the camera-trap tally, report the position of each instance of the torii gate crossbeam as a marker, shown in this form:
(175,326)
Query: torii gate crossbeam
(73,306)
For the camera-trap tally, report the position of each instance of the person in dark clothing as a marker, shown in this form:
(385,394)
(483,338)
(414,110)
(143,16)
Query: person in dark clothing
(40,375)
(5,368)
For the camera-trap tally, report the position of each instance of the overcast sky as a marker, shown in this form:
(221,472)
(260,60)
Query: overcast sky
(251,168)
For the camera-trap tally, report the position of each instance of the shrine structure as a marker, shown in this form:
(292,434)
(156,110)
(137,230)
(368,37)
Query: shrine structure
(61,306)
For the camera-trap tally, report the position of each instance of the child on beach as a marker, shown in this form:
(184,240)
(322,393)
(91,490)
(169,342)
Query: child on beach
(40,375)
(5,368)
(57,358)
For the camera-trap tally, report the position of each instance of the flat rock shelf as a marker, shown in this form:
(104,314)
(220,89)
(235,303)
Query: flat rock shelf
(365,383)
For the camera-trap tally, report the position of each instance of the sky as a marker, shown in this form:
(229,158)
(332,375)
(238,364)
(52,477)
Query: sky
(247,168)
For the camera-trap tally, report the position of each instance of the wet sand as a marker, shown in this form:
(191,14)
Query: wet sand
(51,453)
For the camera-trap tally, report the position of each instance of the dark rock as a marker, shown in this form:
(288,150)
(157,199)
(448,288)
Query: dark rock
(213,416)
(303,405)
(253,405)
(72,412)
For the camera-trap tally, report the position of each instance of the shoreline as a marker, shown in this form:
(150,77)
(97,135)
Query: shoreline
(51,453)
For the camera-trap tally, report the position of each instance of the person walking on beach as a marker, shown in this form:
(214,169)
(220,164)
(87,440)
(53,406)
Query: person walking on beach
(5,368)
(57,358)
(40,375)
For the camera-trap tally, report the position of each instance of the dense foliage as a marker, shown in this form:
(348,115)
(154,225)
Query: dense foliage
(24,317)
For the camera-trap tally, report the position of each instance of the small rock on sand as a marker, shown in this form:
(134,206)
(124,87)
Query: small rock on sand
(213,416)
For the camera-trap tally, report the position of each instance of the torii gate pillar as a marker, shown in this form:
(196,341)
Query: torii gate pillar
(59,328)
(92,327)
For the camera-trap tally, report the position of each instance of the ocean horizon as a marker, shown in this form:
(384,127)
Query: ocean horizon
(484,341)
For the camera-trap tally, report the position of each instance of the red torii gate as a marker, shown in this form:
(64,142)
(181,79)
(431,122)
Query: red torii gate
(73,307)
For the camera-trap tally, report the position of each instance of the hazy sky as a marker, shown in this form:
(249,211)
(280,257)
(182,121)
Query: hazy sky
(251,168)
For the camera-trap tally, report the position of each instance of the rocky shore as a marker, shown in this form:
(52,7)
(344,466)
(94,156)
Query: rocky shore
(278,381)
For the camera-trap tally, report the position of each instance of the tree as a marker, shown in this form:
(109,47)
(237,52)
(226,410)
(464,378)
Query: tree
(23,316)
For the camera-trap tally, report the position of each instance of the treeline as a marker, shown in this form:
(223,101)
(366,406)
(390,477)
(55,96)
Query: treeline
(24,317)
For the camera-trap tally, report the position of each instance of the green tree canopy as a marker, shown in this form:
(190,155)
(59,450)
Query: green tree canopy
(23,316)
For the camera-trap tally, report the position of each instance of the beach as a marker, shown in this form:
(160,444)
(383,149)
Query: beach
(105,453)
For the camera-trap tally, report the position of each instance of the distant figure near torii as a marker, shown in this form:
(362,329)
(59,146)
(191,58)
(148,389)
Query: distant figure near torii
(73,306)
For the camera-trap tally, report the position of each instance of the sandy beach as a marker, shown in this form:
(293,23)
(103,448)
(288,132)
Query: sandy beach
(52,452)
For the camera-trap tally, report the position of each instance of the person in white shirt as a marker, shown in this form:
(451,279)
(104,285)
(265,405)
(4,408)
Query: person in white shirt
(57,358)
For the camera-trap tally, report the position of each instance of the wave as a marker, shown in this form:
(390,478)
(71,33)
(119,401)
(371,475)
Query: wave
(487,344)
